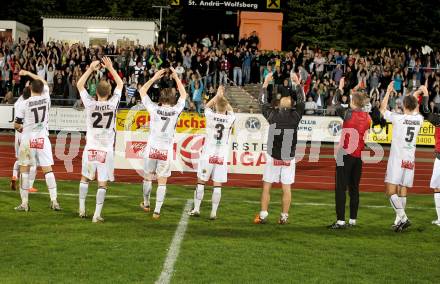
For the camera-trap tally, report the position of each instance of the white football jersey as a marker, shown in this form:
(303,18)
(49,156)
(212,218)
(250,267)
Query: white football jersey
(100,118)
(34,112)
(218,130)
(163,120)
(405,131)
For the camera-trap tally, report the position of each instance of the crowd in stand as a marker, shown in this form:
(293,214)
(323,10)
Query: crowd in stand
(206,63)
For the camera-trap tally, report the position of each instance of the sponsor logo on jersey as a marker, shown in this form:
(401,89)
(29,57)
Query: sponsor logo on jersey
(216,160)
(97,156)
(37,143)
(190,150)
(156,154)
(407,165)
(135,149)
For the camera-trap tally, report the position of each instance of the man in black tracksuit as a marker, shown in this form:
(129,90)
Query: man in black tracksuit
(281,146)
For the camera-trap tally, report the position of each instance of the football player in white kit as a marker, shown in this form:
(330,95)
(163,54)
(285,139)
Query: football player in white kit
(16,169)
(214,159)
(98,155)
(159,150)
(401,162)
(32,120)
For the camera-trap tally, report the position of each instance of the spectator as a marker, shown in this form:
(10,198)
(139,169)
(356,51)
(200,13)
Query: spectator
(310,106)
(8,99)
(197,95)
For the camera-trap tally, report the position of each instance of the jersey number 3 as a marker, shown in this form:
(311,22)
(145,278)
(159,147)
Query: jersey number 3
(219,134)
(98,118)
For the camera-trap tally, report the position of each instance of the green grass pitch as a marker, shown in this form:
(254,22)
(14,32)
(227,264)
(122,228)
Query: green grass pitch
(43,246)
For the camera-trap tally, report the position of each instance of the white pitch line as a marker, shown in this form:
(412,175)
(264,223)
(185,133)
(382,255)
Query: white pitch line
(173,252)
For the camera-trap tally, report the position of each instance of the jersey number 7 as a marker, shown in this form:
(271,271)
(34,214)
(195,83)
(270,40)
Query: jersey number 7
(165,125)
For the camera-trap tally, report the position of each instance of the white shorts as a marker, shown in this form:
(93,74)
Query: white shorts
(35,152)
(156,163)
(98,162)
(279,171)
(400,172)
(17,144)
(435,179)
(218,173)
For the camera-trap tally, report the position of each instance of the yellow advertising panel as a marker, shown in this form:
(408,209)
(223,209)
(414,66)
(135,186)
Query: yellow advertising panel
(131,120)
(383,135)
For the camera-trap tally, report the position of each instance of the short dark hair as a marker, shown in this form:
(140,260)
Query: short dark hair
(37,86)
(410,103)
(26,93)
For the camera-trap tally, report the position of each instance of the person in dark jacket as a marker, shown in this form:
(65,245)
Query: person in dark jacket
(348,160)
(280,164)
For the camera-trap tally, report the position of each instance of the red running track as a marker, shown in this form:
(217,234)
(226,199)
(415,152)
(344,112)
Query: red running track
(309,175)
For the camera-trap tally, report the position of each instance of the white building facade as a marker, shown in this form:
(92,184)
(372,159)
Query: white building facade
(16,30)
(100,30)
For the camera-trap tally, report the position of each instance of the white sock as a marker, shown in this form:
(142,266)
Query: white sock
(397,206)
(352,221)
(100,197)
(83,189)
(403,201)
(32,175)
(216,196)
(199,192)
(160,197)
(24,188)
(51,186)
(340,222)
(264,214)
(15,170)
(437,204)
(146,189)
(284,216)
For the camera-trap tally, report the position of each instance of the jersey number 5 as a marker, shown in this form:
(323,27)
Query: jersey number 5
(410,134)
(98,118)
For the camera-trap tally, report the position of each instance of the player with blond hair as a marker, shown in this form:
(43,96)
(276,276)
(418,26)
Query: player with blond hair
(214,159)
(98,155)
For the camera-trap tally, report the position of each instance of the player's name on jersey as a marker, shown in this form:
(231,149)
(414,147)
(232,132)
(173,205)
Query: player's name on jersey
(37,103)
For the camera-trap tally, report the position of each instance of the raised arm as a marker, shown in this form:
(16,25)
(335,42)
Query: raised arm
(300,96)
(180,86)
(213,101)
(95,65)
(143,91)
(384,103)
(109,66)
(265,105)
(32,75)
